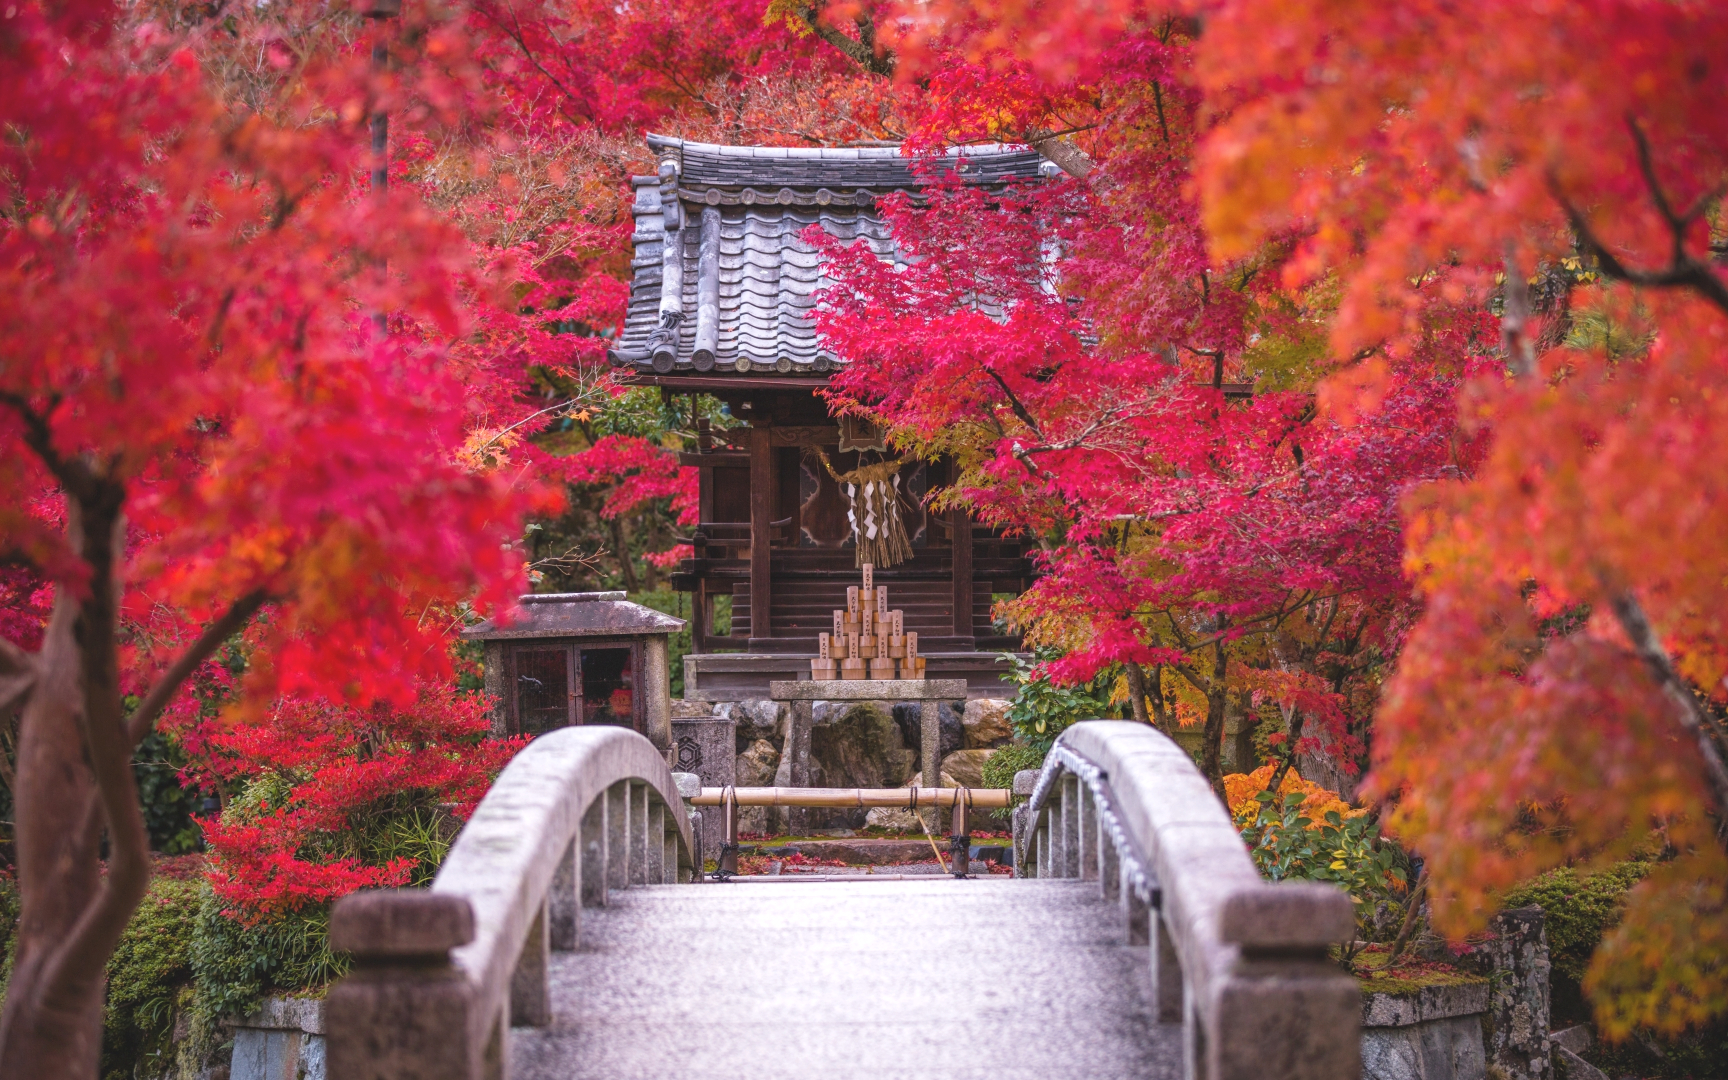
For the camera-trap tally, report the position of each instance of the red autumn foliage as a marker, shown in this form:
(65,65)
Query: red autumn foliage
(1558,697)
(1229,544)
(340,768)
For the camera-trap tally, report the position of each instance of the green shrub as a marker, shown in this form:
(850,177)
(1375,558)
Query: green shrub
(1288,845)
(148,979)
(1000,767)
(1041,710)
(1578,910)
(168,807)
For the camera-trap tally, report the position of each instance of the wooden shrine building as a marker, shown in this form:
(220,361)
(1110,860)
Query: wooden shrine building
(724,309)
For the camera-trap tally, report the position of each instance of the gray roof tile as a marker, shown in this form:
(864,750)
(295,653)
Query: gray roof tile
(758,201)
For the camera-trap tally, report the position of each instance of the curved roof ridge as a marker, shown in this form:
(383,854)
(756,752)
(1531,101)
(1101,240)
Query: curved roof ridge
(838,153)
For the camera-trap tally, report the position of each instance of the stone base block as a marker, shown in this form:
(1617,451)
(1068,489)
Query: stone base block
(1446,1049)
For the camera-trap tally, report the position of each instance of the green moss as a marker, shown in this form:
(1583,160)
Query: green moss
(1408,976)
(148,979)
(1400,983)
(1579,909)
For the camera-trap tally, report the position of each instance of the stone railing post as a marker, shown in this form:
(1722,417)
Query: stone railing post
(404,1010)
(1283,1008)
(1515,958)
(690,786)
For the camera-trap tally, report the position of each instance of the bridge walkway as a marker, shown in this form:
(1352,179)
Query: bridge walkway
(986,979)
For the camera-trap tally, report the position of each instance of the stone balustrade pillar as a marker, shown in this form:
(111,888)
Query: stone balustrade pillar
(403,1010)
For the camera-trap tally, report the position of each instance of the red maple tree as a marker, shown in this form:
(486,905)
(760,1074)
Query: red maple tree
(199,417)
(1220,546)
(1559,700)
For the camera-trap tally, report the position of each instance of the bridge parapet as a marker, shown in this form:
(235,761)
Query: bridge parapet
(440,974)
(1241,963)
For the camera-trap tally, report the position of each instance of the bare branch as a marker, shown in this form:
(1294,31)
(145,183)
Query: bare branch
(224,627)
(17,675)
(1683,271)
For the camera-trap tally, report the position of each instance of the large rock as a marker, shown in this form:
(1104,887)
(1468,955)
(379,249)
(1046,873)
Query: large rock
(1515,955)
(852,745)
(860,747)
(756,764)
(985,723)
(906,714)
(966,767)
(756,720)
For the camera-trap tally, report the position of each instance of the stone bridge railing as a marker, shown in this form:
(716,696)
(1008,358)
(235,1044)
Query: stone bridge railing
(1241,963)
(440,974)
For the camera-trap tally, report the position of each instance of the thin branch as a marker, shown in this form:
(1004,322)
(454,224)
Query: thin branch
(224,627)
(1014,403)
(1683,270)
(1687,712)
(1412,906)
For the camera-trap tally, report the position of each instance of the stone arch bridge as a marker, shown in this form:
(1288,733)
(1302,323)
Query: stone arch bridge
(567,936)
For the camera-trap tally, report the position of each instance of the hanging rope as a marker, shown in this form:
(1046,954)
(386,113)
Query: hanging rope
(873,508)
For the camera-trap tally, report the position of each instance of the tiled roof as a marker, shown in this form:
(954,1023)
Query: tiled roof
(564,615)
(733,292)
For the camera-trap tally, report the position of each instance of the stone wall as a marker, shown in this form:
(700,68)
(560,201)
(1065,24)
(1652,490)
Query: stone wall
(1432,1034)
(283,1040)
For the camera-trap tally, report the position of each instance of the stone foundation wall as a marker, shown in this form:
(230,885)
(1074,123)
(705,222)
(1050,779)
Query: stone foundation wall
(283,1040)
(1433,1034)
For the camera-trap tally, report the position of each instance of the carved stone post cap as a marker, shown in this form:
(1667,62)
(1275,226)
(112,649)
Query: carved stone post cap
(400,924)
(1289,915)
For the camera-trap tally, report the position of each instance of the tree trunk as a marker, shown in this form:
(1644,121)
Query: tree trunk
(1217,705)
(1160,705)
(621,541)
(1295,722)
(1137,691)
(74,773)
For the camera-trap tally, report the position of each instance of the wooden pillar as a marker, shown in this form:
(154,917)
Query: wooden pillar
(962,573)
(699,615)
(761,512)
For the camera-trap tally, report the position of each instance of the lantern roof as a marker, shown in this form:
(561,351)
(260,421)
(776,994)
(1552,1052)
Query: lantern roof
(575,615)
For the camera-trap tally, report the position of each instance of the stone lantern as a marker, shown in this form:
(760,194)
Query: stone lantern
(580,658)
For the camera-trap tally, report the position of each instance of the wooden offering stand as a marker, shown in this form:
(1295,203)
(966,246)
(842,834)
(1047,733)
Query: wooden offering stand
(868,640)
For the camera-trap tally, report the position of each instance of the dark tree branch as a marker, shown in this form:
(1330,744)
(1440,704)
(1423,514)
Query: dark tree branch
(98,529)
(1015,404)
(1683,271)
(1412,906)
(1687,712)
(861,50)
(225,626)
